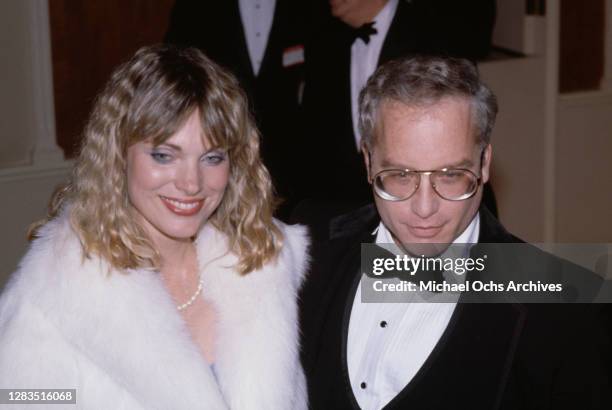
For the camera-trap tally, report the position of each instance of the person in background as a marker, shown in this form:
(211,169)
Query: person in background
(355,38)
(161,279)
(262,42)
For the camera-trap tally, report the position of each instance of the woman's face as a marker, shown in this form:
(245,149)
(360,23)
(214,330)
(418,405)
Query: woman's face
(176,186)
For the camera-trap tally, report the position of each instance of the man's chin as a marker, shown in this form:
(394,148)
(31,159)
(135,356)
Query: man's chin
(418,245)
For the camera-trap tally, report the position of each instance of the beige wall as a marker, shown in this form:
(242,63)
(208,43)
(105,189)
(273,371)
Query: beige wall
(524,136)
(584,171)
(579,168)
(16,93)
(509,32)
(31,164)
(26,195)
(518,176)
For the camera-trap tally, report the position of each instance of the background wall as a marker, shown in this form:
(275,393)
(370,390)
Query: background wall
(31,163)
(519,144)
(27,195)
(90,38)
(16,94)
(584,177)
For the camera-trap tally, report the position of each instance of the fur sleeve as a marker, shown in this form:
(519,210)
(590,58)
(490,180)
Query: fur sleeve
(296,248)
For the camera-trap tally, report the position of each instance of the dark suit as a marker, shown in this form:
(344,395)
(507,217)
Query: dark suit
(449,27)
(215,27)
(494,356)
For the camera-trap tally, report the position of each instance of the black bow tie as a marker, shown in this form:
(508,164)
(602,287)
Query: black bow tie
(364,32)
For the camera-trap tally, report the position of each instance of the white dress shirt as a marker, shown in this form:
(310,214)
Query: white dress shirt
(257,17)
(389,342)
(364,60)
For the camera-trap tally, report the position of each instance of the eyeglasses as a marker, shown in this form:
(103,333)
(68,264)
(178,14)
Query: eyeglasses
(452,184)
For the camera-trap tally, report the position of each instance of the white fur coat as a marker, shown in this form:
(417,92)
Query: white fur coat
(119,340)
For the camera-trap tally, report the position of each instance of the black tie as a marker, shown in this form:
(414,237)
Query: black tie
(364,32)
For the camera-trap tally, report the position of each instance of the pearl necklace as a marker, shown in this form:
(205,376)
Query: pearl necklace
(191,299)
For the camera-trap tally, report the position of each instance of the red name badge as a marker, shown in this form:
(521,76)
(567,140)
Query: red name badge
(293,56)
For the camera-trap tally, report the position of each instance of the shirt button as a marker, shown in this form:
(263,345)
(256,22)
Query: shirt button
(257,6)
(257,34)
(383,323)
(363,385)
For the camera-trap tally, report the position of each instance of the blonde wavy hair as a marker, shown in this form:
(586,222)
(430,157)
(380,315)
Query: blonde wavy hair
(148,98)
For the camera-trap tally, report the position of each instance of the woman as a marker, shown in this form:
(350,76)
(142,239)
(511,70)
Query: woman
(160,279)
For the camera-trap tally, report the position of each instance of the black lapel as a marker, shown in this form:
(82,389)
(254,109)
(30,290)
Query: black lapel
(352,265)
(330,304)
(334,70)
(352,224)
(241,42)
(491,231)
(471,362)
(399,40)
(274,37)
(347,233)
(343,34)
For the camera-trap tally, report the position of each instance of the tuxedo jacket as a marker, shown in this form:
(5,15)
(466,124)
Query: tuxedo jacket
(493,356)
(73,322)
(274,93)
(335,169)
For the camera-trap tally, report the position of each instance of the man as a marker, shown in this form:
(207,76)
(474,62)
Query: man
(262,43)
(426,124)
(357,37)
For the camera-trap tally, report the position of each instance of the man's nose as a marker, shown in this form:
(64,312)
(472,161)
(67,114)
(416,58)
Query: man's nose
(189,179)
(425,201)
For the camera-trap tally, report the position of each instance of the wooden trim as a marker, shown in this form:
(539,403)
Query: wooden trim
(582,31)
(35,171)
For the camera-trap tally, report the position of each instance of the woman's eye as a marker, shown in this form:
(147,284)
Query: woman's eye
(161,157)
(214,158)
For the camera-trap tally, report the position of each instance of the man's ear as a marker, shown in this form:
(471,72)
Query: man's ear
(366,159)
(486,163)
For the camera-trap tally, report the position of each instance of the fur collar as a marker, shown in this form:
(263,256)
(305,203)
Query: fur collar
(128,326)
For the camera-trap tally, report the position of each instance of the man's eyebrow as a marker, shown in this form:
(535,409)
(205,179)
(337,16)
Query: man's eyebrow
(386,163)
(464,163)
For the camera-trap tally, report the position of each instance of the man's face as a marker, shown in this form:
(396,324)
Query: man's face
(421,138)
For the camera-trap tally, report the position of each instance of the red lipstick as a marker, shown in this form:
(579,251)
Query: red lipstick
(183,207)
